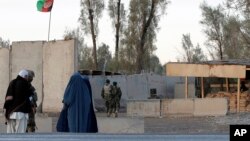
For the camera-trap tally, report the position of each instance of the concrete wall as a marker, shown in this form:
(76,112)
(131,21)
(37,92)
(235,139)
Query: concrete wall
(177,106)
(165,107)
(4,74)
(59,63)
(160,83)
(28,55)
(210,107)
(145,108)
(53,63)
(120,125)
(133,87)
(180,90)
(171,81)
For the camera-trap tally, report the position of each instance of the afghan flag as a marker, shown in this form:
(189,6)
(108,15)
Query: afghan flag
(44,5)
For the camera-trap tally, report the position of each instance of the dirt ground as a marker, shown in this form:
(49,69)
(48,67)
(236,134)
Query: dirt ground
(180,124)
(195,125)
(186,124)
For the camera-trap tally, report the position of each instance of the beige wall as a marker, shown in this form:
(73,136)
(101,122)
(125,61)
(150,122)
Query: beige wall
(53,63)
(145,108)
(210,107)
(165,107)
(4,74)
(177,106)
(28,55)
(206,70)
(59,63)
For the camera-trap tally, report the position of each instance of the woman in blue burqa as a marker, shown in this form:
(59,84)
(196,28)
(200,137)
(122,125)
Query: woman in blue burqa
(78,113)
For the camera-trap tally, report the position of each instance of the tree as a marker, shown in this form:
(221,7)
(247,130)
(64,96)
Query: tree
(187,46)
(84,59)
(198,54)
(242,10)
(235,45)
(142,26)
(242,5)
(191,53)
(164,66)
(4,43)
(118,15)
(155,65)
(127,59)
(87,58)
(91,11)
(103,57)
(213,21)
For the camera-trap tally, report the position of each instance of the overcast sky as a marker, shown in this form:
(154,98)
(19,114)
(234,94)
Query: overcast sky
(20,21)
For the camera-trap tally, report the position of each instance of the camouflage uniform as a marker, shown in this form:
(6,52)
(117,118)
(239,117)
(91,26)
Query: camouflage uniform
(106,95)
(31,124)
(116,97)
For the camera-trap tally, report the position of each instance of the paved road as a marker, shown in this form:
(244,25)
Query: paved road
(109,137)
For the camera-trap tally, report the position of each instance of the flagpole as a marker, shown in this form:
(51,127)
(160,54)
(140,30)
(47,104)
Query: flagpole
(49,24)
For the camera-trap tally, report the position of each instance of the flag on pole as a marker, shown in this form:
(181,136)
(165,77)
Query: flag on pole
(44,5)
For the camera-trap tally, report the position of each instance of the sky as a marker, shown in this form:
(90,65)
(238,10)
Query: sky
(20,21)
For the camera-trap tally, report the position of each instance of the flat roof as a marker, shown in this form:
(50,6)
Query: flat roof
(233,68)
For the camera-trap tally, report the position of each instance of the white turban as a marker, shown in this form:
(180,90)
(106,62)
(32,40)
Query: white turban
(23,73)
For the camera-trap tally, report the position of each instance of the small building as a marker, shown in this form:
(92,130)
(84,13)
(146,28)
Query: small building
(237,70)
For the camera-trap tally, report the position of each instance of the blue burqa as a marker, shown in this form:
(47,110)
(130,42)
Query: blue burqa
(78,113)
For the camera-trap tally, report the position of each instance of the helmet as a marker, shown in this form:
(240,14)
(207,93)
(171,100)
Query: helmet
(107,81)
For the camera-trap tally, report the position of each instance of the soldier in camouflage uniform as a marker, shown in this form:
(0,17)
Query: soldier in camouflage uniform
(116,97)
(106,95)
(31,125)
